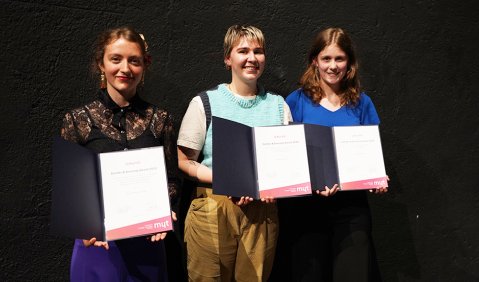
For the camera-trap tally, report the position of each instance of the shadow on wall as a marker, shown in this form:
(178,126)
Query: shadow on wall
(396,215)
(409,221)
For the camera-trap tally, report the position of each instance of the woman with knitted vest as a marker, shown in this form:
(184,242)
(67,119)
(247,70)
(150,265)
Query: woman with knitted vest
(229,239)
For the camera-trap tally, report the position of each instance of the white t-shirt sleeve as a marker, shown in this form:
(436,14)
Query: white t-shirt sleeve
(287,114)
(193,126)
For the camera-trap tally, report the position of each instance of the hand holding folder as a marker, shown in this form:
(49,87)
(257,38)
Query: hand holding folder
(309,157)
(108,196)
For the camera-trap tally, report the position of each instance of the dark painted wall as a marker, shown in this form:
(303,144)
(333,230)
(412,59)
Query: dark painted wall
(419,64)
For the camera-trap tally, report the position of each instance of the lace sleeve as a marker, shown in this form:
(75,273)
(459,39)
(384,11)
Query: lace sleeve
(76,126)
(68,130)
(165,130)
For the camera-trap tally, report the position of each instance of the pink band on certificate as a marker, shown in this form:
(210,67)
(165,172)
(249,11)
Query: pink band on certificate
(365,184)
(287,191)
(148,227)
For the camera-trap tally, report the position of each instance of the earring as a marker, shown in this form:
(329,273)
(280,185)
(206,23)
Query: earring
(102,80)
(142,83)
(227,67)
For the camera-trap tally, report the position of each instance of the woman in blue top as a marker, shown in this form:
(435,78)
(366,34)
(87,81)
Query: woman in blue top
(335,243)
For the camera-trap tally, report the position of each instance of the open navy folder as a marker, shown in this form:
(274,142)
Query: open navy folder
(76,195)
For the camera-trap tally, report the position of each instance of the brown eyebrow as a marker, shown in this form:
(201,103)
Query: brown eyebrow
(129,57)
(336,57)
(247,48)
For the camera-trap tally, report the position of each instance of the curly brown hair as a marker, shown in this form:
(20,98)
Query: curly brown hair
(310,80)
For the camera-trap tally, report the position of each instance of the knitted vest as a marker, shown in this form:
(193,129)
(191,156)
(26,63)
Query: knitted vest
(266,109)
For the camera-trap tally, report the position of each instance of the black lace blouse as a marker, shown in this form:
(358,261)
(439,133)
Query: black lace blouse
(103,126)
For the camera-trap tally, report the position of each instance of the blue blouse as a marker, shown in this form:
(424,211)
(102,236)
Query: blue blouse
(305,110)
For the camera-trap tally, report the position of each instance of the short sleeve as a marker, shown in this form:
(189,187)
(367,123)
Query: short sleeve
(287,118)
(369,115)
(192,132)
(68,130)
(296,106)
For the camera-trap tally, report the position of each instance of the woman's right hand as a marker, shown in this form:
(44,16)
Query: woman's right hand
(328,192)
(94,242)
(241,201)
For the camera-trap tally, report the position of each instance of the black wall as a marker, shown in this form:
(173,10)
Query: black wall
(419,64)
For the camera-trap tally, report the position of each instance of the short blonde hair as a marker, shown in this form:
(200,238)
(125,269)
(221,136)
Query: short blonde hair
(234,34)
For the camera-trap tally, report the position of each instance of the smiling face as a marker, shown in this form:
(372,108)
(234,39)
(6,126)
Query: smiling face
(246,60)
(332,63)
(123,65)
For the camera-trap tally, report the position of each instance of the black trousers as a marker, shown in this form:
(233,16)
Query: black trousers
(325,239)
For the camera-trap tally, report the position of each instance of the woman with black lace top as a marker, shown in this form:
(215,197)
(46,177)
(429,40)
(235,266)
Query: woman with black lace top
(119,119)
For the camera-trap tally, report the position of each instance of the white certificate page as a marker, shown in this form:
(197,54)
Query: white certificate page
(359,153)
(135,188)
(281,158)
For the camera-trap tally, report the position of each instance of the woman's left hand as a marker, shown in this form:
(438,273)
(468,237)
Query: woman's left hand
(158,237)
(380,190)
(268,200)
(161,236)
(328,192)
(241,201)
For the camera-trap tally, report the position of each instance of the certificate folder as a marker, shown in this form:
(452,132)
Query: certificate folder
(321,156)
(251,161)
(108,196)
(76,197)
(350,156)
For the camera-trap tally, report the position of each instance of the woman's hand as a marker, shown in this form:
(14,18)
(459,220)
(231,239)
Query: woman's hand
(241,201)
(161,236)
(328,192)
(380,190)
(158,237)
(268,200)
(94,242)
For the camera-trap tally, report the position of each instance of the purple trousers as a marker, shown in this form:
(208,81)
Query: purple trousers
(135,259)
